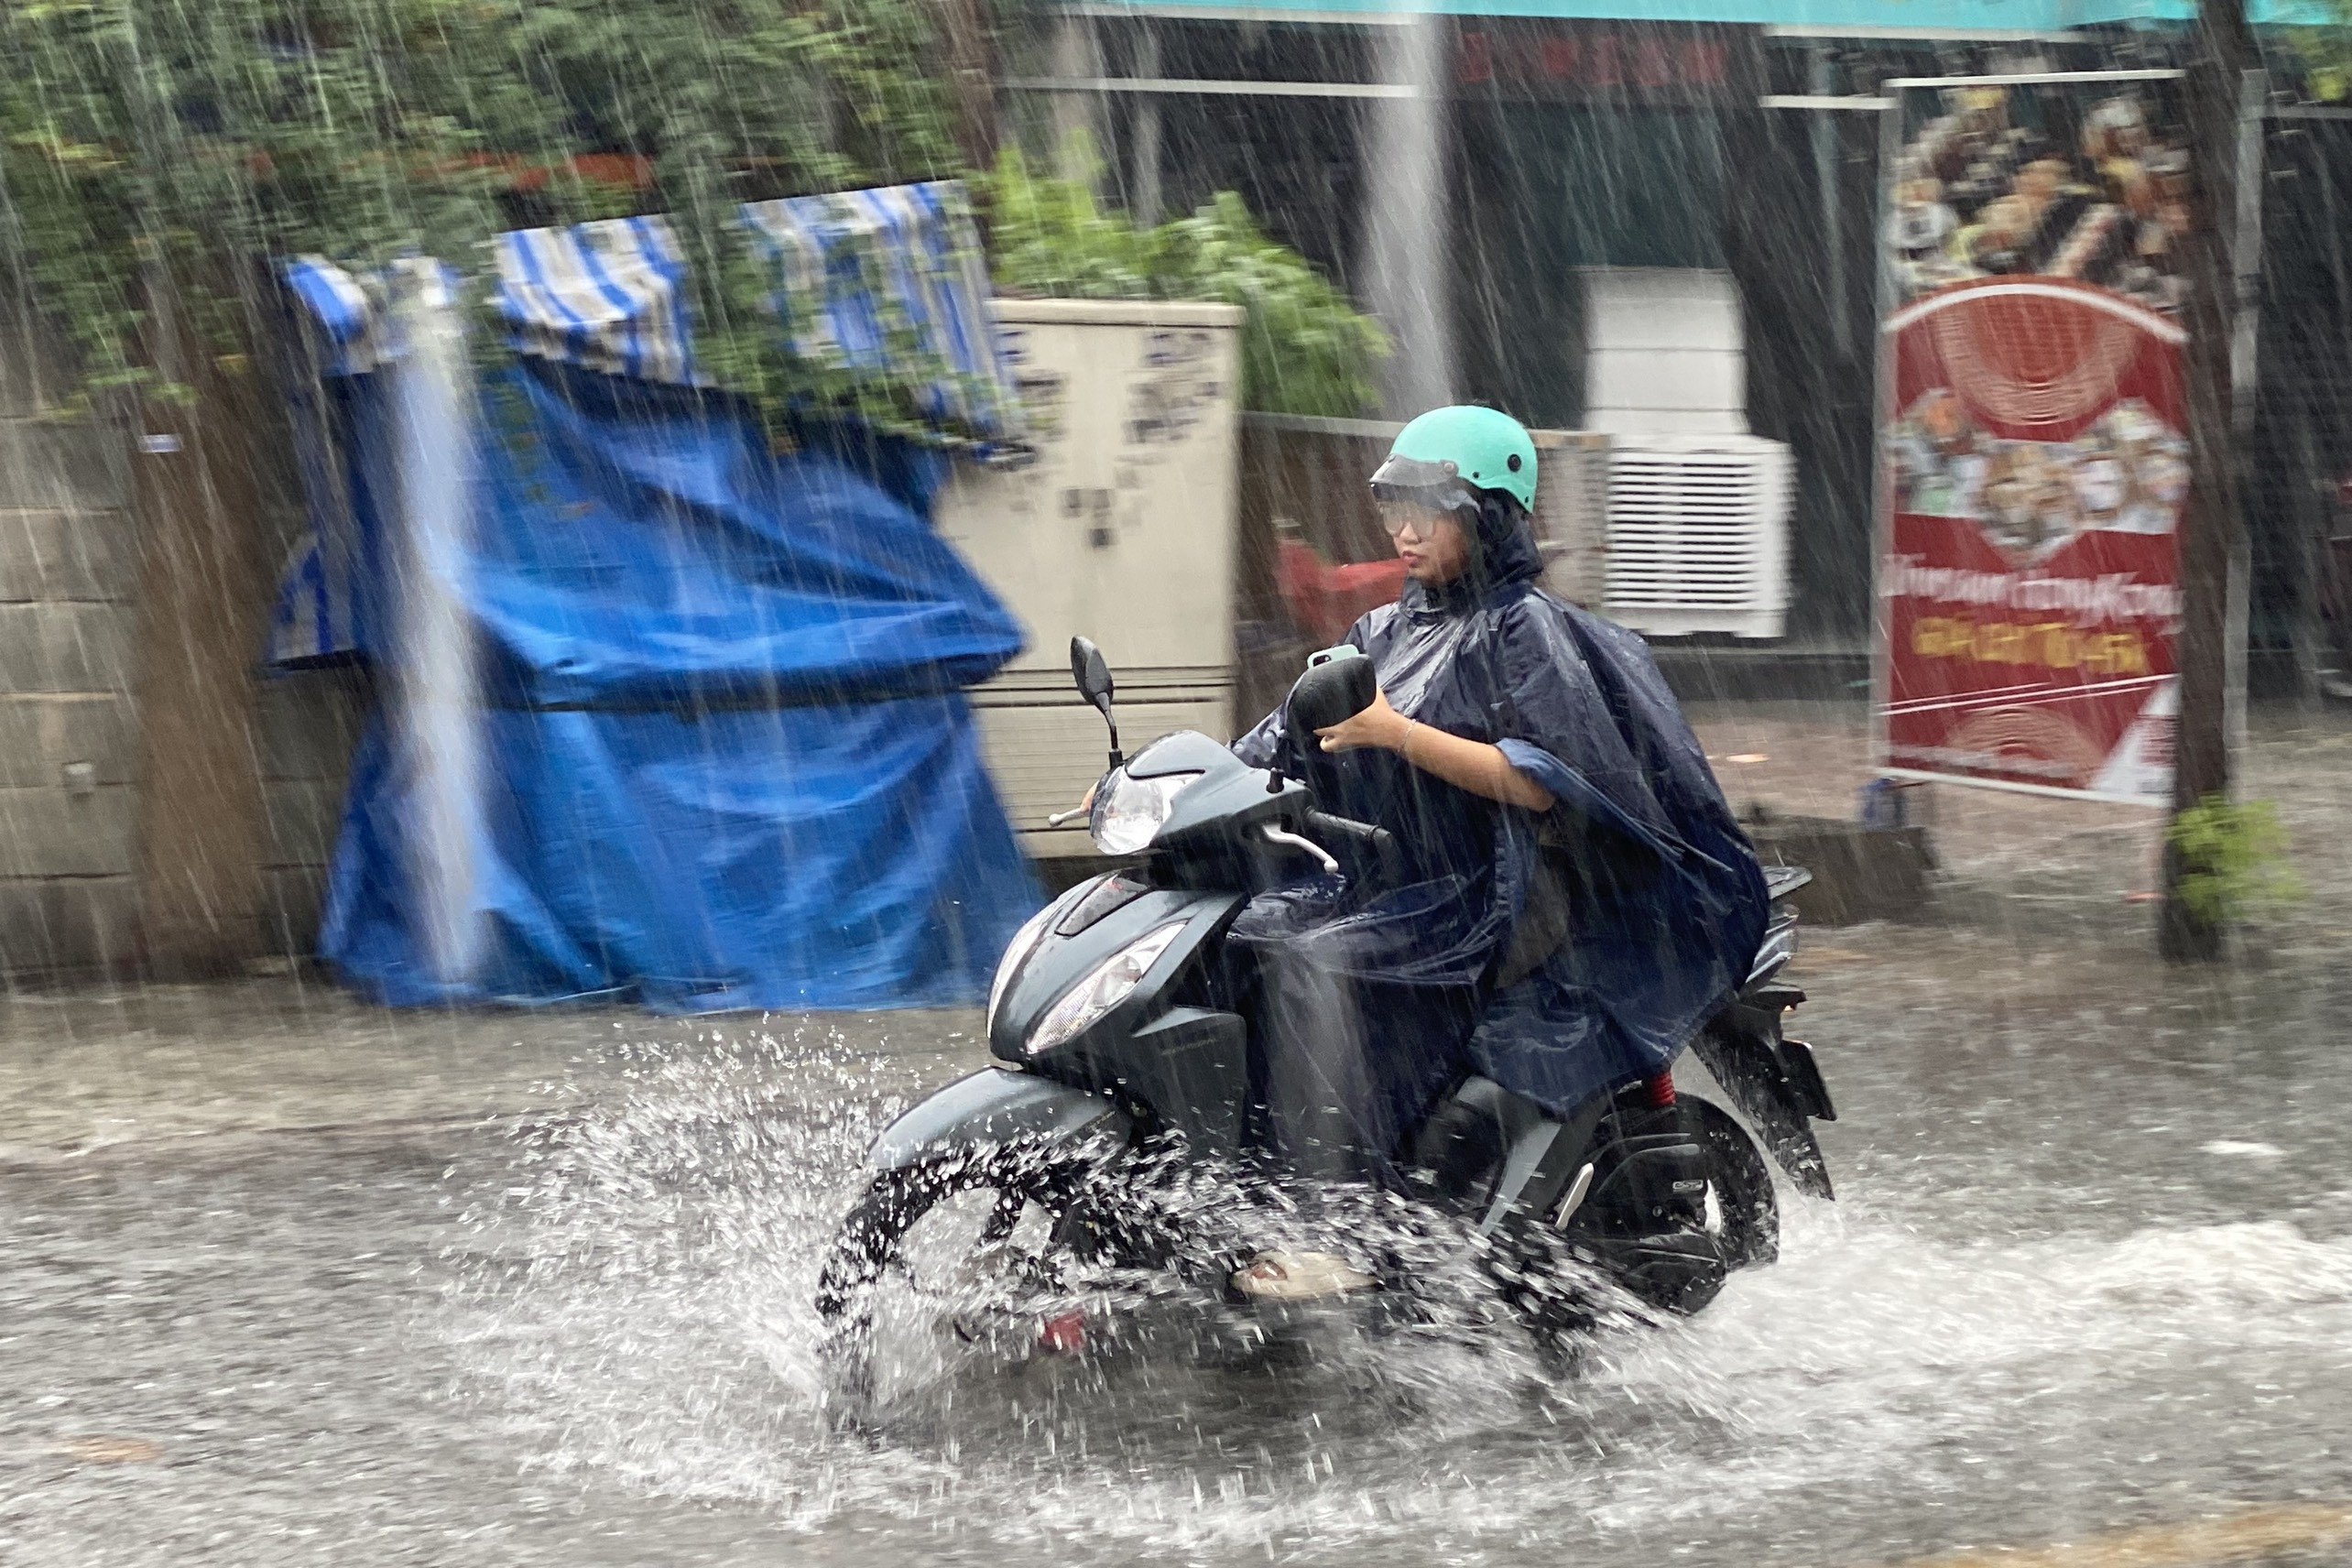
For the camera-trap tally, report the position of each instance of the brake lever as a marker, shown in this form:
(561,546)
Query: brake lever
(1364,836)
(1281,836)
(1059,818)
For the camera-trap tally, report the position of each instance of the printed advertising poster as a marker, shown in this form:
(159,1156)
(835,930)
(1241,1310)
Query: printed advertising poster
(2033,454)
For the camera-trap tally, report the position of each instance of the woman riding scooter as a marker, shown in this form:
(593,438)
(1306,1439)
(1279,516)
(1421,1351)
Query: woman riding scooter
(1576,898)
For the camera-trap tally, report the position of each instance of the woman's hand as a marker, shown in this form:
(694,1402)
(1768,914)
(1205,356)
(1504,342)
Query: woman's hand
(1378,725)
(1471,765)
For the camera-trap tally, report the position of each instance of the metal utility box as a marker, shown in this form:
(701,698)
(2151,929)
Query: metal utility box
(1121,529)
(1665,352)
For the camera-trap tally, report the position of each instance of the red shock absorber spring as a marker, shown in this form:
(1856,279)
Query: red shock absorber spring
(1661,1089)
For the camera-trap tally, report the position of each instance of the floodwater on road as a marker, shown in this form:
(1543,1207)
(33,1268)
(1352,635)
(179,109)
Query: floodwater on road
(2089,1271)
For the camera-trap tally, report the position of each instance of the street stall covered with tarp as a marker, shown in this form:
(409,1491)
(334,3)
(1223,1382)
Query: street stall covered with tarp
(670,696)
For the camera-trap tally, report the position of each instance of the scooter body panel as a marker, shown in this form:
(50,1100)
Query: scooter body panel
(1191,1067)
(1060,963)
(991,1109)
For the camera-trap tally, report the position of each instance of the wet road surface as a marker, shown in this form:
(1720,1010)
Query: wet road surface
(2091,1272)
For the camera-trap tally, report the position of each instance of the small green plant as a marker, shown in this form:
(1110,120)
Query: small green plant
(1305,349)
(2322,35)
(2233,860)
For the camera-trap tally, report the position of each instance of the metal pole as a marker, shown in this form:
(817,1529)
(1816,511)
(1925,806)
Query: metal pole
(1890,146)
(1078,116)
(1408,255)
(1833,222)
(1145,201)
(966,32)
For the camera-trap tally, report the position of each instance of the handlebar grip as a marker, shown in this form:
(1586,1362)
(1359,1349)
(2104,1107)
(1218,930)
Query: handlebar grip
(1380,841)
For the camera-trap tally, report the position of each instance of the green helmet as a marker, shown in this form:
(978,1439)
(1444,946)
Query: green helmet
(1448,452)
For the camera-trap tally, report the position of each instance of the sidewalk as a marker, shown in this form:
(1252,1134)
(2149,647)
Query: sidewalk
(83,1068)
(2039,863)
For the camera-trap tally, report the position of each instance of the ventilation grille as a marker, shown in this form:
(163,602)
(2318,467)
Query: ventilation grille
(1699,531)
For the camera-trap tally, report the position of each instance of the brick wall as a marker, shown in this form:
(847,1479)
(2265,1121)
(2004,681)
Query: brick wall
(69,741)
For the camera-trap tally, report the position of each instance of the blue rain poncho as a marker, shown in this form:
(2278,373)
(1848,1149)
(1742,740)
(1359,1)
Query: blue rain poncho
(1664,903)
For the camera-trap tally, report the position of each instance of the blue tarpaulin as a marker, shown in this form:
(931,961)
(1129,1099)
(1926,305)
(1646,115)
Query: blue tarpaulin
(722,757)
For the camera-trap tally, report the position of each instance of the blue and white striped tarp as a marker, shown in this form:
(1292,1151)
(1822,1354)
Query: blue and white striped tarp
(607,296)
(889,281)
(346,332)
(346,323)
(893,279)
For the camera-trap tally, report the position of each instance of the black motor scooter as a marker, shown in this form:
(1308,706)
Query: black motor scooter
(1123,1054)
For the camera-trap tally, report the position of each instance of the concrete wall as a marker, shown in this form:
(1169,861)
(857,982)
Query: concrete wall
(310,722)
(68,664)
(69,566)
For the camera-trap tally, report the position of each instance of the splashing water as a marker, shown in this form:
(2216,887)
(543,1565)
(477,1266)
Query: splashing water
(640,1308)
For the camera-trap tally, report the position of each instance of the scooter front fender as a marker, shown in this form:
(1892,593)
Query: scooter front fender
(991,1109)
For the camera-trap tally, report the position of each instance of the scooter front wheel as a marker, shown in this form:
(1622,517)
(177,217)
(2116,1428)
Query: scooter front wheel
(1742,1212)
(947,1243)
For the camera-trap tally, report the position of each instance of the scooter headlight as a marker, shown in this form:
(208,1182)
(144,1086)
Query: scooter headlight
(1017,953)
(1131,811)
(1111,981)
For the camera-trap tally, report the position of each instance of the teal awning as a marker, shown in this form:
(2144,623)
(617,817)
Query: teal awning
(1861,15)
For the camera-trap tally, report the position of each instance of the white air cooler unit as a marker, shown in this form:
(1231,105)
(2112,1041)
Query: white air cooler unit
(1698,535)
(1698,509)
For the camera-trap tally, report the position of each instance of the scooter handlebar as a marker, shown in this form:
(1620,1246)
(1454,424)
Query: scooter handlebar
(1377,840)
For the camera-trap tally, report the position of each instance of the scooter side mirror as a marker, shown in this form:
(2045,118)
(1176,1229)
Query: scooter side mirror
(1330,692)
(1092,672)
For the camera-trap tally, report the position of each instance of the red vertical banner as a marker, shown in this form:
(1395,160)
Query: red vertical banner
(2033,448)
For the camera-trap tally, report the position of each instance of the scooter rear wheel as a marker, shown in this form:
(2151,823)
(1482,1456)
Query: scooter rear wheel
(1677,1253)
(1743,1212)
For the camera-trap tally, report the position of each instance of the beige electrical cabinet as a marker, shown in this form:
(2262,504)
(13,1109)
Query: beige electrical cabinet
(1121,529)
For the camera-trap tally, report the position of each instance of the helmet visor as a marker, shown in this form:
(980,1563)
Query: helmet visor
(1433,485)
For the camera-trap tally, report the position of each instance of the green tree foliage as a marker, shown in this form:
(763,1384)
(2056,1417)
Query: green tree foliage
(1305,350)
(159,150)
(147,142)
